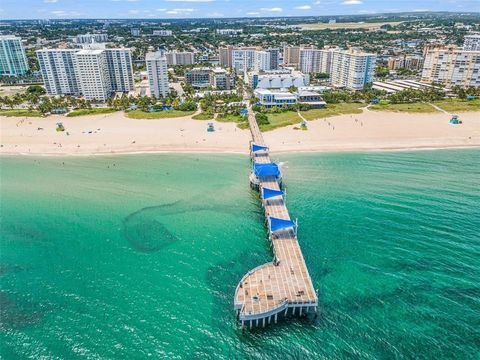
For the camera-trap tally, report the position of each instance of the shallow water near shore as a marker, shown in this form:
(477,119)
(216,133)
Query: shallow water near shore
(138,256)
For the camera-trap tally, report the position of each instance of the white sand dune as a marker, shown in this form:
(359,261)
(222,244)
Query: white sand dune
(114,133)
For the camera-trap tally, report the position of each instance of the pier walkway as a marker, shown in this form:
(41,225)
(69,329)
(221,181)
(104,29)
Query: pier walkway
(284,285)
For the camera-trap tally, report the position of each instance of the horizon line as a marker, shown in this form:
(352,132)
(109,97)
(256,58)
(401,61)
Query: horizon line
(257,17)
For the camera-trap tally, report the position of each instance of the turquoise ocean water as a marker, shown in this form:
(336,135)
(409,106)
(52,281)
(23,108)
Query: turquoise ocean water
(133,257)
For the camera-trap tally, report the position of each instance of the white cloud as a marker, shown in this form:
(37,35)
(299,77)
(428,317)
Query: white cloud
(65,13)
(161,10)
(352,2)
(303,7)
(253,13)
(179,11)
(50,1)
(274,9)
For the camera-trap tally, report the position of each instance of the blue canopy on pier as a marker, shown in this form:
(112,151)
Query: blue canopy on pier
(267,169)
(270,193)
(256,148)
(280,224)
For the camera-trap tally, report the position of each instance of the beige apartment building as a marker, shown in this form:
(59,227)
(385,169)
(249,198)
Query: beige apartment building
(450,66)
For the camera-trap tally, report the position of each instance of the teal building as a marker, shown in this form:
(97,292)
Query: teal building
(13,61)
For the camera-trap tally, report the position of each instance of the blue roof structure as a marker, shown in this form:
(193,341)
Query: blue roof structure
(268,169)
(256,148)
(270,193)
(280,224)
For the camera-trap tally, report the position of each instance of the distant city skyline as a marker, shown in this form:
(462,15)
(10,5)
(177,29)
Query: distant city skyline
(166,9)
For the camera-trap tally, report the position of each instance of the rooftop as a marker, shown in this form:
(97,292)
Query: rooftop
(90,52)
(155,56)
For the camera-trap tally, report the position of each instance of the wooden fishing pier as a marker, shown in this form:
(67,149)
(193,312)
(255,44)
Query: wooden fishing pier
(282,286)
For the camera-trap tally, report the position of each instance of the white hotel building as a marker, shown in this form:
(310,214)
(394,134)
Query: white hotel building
(92,73)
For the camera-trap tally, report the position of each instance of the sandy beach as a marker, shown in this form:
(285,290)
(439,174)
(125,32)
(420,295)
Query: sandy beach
(115,134)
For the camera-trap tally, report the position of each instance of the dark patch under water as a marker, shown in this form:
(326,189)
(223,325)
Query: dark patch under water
(15,315)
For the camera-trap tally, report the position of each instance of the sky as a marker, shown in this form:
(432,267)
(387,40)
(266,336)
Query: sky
(164,9)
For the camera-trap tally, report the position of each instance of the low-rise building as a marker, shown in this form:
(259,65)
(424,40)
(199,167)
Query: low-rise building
(410,62)
(180,58)
(280,98)
(216,78)
(221,79)
(279,81)
(310,98)
(229,32)
(90,38)
(198,77)
(162,32)
(269,98)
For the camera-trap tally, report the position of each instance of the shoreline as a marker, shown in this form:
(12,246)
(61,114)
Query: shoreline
(114,134)
(217,152)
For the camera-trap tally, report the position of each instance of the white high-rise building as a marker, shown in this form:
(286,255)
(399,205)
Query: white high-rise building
(58,71)
(13,61)
(316,60)
(352,69)
(310,60)
(94,73)
(246,59)
(120,69)
(452,66)
(157,74)
(262,61)
(471,42)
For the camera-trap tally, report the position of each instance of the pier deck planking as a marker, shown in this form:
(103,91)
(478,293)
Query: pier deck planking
(285,283)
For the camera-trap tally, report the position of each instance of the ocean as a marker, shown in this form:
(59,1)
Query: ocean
(138,256)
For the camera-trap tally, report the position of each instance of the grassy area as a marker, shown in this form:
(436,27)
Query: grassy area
(20,113)
(347,25)
(94,111)
(203,116)
(333,110)
(139,114)
(417,107)
(231,118)
(458,105)
(280,120)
